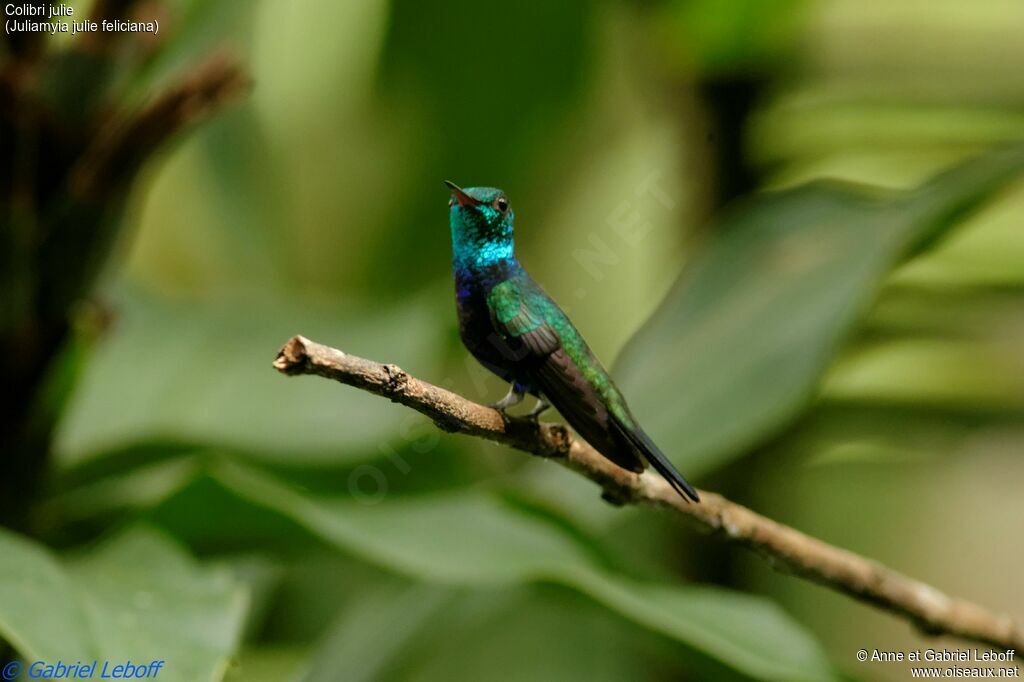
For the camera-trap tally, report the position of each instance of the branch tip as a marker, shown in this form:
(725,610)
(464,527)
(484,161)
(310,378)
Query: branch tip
(292,357)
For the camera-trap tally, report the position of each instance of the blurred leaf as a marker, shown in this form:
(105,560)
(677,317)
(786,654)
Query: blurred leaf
(103,494)
(484,634)
(39,613)
(838,432)
(960,377)
(414,631)
(313,586)
(880,50)
(145,598)
(135,597)
(811,128)
(268,664)
(245,185)
(738,346)
(475,539)
(201,373)
(371,632)
(729,35)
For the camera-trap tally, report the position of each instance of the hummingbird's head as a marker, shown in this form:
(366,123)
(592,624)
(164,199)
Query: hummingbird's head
(481,222)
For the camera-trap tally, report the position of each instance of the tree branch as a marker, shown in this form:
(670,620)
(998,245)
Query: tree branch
(786,549)
(125,142)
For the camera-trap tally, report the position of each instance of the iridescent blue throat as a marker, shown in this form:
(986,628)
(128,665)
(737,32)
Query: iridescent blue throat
(478,246)
(480,255)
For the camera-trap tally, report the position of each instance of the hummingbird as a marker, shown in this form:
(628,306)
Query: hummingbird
(515,330)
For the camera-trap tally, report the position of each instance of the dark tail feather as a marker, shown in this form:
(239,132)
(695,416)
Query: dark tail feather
(659,461)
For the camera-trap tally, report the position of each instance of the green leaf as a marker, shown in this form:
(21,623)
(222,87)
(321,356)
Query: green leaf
(737,348)
(269,664)
(39,611)
(137,597)
(717,36)
(482,636)
(752,635)
(374,630)
(476,539)
(201,373)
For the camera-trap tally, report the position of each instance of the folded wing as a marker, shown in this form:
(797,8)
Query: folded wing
(545,366)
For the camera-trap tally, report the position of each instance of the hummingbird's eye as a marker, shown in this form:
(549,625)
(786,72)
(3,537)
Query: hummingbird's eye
(502,204)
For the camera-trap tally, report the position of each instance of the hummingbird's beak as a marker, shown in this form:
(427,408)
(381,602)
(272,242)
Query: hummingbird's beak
(460,196)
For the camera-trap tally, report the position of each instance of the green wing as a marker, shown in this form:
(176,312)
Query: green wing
(517,313)
(516,321)
(570,377)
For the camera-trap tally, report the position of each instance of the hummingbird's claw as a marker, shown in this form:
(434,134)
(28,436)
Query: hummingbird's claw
(532,417)
(538,409)
(513,397)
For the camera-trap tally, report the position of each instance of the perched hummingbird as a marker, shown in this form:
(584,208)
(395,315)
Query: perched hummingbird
(515,330)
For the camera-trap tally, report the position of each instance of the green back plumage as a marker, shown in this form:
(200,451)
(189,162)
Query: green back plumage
(522,306)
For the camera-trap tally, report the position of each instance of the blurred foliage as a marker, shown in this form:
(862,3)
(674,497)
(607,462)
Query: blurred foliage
(705,37)
(171,371)
(136,597)
(797,267)
(843,356)
(477,540)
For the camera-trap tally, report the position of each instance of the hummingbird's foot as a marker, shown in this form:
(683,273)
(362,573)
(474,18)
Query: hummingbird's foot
(531,417)
(513,397)
(538,409)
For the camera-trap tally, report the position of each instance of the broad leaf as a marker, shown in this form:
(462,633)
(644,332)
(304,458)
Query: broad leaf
(483,635)
(269,663)
(136,597)
(201,374)
(372,632)
(39,612)
(737,348)
(476,539)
